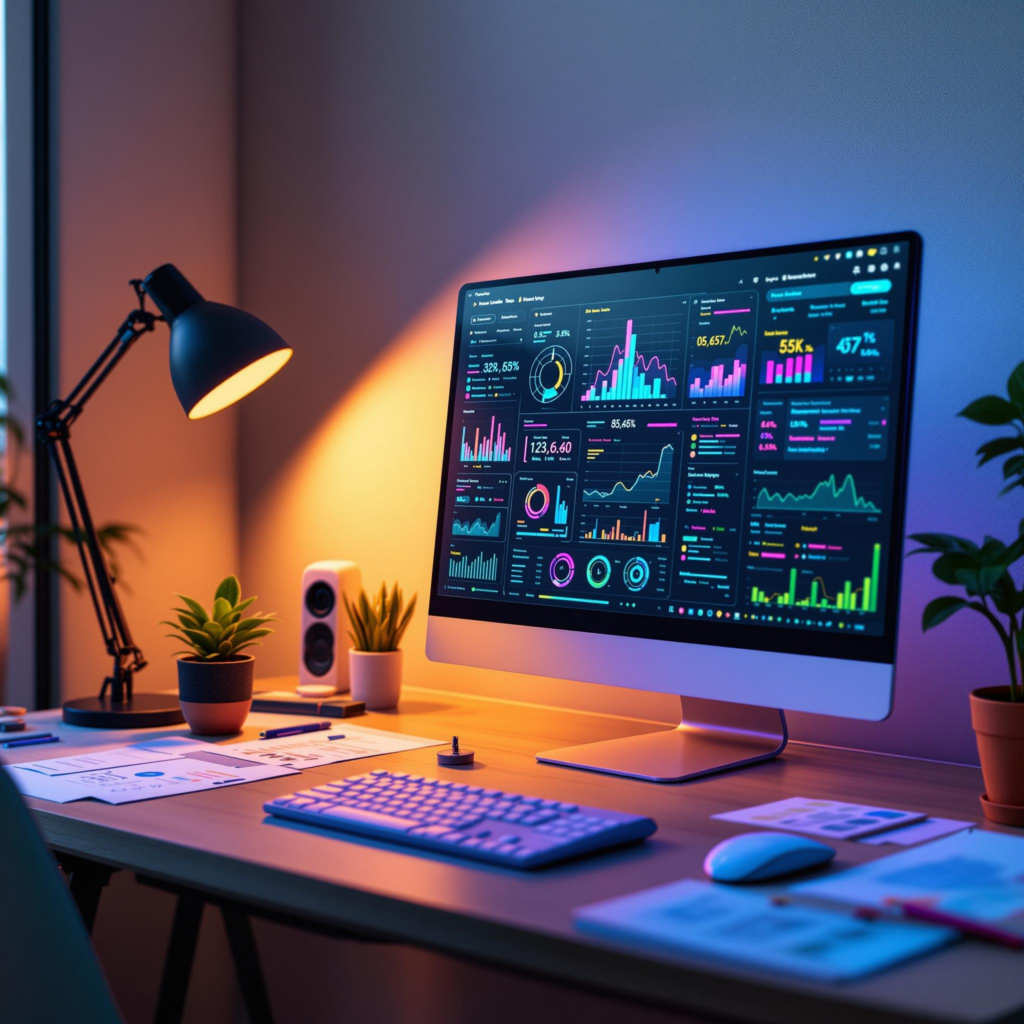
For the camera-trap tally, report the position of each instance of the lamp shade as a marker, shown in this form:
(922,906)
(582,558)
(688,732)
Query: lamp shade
(218,353)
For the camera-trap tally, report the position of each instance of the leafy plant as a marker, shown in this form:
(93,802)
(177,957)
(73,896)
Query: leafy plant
(25,546)
(994,411)
(378,625)
(220,635)
(983,571)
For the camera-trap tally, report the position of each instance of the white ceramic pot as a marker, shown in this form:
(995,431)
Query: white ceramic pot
(376,678)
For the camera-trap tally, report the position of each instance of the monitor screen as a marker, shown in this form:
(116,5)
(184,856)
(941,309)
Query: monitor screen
(708,450)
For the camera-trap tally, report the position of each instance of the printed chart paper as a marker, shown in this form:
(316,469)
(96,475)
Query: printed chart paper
(118,757)
(827,818)
(166,776)
(909,835)
(312,749)
(696,917)
(975,874)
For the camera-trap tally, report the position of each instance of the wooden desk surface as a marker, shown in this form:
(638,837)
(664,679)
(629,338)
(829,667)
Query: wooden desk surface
(223,843)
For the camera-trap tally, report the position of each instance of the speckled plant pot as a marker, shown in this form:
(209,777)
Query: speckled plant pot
(376,678)
(216,695)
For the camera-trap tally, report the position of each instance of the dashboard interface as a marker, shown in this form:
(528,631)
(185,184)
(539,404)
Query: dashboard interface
(708,450)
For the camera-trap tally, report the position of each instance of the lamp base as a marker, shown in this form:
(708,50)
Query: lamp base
(141,711)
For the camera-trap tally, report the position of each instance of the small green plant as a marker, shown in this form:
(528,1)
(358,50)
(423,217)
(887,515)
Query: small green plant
(984,570)
(222,634)
(378,625)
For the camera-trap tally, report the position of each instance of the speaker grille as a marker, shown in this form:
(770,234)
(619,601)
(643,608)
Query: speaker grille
(318,649)
(320,599)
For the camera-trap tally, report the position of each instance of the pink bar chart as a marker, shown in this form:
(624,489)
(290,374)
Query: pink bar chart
(720,380)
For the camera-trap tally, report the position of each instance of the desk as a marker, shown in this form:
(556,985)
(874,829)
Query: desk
(221,843)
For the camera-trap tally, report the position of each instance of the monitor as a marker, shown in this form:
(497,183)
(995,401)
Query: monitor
(685,476)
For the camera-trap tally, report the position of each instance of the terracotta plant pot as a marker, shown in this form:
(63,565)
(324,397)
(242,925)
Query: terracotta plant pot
(999,727)
(376,678)
(215,695)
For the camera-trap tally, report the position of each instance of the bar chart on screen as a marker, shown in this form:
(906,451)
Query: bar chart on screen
(487,437)
(632,360)
(472,565)
(823,588)
(791,362)
(721,340)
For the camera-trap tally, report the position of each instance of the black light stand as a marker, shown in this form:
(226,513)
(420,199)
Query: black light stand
(120,709)
(218,355)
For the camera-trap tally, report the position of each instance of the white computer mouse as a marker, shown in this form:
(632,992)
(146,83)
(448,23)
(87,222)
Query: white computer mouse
(760,856)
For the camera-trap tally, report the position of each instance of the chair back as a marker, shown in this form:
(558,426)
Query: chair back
(48,970)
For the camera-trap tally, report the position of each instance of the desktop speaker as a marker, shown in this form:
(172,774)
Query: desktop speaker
(323,659)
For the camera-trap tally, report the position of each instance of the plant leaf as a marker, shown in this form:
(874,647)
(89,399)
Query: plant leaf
(214,630)
(251,634)
(999,446)
(229,589)
(944,542)
(201,640)
(939,610)
(221,610)
(990,410)
(241,606)
(1015,387)
(1013,465)
(195,607)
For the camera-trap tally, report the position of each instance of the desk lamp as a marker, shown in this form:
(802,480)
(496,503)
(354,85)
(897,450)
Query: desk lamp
(218,355)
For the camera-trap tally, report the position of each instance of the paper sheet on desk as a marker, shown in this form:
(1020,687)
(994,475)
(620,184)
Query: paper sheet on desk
(94,760)
(165,775)
(908,835)
(975,874)
(310,750)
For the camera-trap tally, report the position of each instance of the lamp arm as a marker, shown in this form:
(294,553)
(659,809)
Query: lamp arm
(54,429)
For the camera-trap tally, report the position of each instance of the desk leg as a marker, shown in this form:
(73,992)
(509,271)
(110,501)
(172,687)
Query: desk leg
(86,880)
(247,965)
(170,1003)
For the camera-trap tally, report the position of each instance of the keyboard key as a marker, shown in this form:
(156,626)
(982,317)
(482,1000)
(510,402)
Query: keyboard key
(568,808)
(360,817)
(430,830)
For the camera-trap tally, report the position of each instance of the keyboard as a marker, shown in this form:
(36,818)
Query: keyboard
(456,818)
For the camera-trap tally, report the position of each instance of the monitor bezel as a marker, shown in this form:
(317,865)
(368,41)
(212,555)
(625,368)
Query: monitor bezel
(709,632)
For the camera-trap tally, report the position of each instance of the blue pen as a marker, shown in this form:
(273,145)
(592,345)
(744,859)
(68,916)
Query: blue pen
(293,730)
(33,739)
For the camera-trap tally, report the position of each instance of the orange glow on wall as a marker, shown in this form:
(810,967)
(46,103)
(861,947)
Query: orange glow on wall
(365,485)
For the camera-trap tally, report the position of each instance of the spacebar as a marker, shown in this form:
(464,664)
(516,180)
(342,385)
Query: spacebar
(385,822)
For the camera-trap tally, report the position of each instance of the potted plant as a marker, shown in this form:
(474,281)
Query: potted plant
(983,572)
(214,677)
(375,662)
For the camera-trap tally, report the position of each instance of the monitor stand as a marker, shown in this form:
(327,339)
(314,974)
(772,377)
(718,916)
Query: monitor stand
(713,736)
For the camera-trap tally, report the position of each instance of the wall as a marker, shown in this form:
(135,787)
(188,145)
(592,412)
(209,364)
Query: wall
(145,148)
(391,151)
